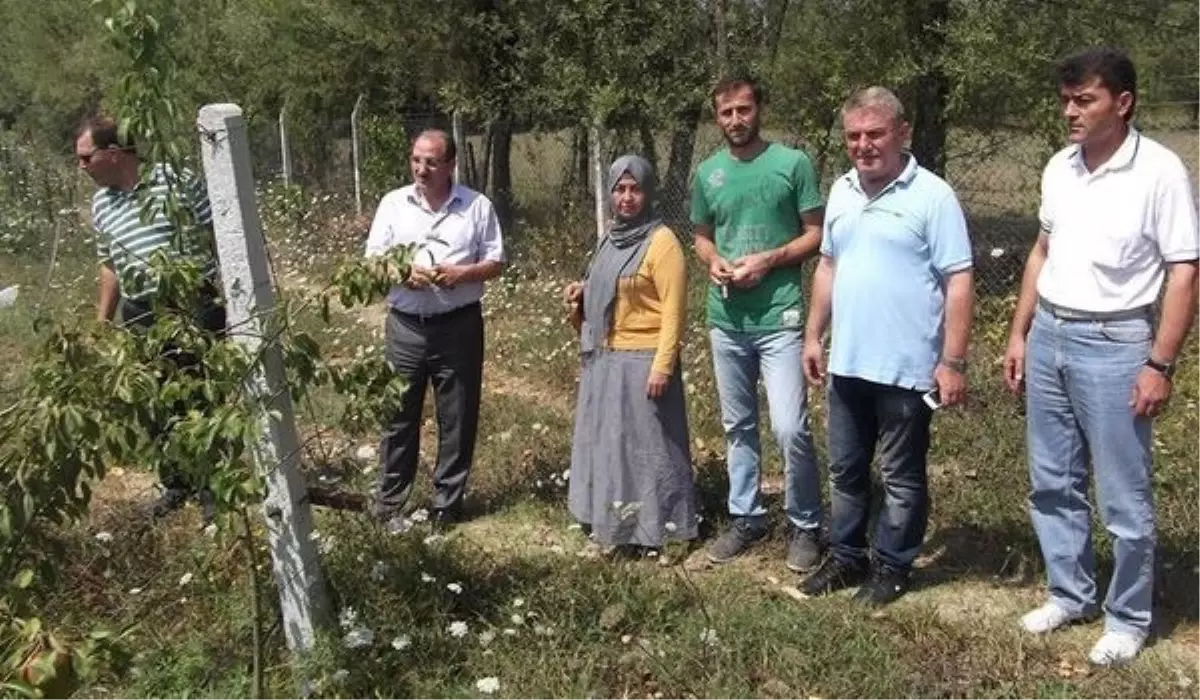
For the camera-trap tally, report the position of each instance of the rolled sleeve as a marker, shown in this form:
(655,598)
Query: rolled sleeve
(491,242)
(949,242)
(379,240)
(1175,219)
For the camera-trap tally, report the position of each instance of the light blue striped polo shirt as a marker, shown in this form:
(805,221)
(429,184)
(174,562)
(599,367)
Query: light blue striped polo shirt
(892,254)
(125,241)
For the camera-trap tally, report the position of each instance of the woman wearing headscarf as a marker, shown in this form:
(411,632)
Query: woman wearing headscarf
(631,473)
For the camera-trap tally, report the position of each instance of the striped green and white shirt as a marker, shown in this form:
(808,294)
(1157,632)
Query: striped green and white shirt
(125,242)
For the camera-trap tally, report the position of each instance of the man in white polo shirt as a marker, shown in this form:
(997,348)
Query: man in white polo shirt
(1118,217)
(434,330)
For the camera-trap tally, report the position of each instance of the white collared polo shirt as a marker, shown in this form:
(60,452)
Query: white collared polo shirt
(463,231)
(1112,231)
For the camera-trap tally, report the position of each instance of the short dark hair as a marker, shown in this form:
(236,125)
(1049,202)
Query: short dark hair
(733,81)
(1112,66)
(451,148)
(105,133)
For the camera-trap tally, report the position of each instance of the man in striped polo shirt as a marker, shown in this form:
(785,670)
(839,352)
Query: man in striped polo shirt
(125,242)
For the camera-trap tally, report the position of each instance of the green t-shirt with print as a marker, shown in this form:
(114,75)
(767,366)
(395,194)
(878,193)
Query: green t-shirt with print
(754,206)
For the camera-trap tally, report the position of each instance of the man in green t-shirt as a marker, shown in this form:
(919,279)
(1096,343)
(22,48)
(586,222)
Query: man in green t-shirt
(757,212)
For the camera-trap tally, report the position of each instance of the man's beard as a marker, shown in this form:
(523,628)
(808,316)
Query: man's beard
(747,135)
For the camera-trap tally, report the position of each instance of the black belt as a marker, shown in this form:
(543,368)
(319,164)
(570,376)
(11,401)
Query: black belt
(1067,314)
(430,319)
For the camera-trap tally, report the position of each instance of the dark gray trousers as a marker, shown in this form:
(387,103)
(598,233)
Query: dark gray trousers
(447,351)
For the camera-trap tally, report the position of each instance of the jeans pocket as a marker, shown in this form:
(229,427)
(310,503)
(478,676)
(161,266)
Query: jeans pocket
(1128,332)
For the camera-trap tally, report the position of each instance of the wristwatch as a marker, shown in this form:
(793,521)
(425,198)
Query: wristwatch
(1166,369)
(958,364)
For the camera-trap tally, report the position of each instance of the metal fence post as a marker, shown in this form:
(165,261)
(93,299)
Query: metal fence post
(456,132)
(285,156)
(354,154)
(597,178)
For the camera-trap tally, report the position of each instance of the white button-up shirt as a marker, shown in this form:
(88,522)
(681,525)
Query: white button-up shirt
(1112,231)
(463,231)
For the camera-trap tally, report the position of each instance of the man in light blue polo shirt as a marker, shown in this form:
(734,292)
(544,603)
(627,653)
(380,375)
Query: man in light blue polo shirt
(895,279)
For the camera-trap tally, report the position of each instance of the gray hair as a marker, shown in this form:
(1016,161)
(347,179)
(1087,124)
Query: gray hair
(874,97)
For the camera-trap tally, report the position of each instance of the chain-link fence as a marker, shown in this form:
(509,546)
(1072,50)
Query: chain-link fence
(550,176)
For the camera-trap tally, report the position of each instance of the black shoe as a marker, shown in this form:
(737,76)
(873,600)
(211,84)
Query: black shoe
(443,520)
(804,550)
(833,575)
(884,585)
(171,500)
(736,540)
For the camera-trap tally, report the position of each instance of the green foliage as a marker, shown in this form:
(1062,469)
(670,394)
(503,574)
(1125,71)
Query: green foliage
(384,156)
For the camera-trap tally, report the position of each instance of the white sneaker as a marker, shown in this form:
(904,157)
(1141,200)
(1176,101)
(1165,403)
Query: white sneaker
(1045,619)
(1116,648)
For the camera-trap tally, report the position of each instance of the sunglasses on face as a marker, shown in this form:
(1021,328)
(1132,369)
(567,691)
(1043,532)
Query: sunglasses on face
(86,158)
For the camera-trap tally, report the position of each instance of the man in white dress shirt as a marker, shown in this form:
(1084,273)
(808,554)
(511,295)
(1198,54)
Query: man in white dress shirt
(434,328)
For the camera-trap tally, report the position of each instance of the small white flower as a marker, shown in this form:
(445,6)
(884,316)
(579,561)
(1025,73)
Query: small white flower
(433,540)
(626,638)
(542,630)
(709,637)
(358,638)
(347,617)
(486,637)
(454,588)
(135,591)
(457,629)
(104,536)
(210,529)
(185,579)
(509,632)
(488,685)
(419,516)
(566,475)
(426,578)
(401,643)
(518,602)
(517,619)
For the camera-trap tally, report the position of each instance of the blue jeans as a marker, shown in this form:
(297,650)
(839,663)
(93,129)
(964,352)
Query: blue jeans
(739,358)
(864,415)
(1079,376)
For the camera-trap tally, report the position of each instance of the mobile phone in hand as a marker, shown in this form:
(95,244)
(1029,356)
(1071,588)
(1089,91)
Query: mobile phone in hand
(932,399)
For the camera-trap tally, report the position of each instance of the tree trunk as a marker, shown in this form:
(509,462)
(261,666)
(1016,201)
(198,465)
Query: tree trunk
(675,191)
(501,170)
(649,149)
(930,91)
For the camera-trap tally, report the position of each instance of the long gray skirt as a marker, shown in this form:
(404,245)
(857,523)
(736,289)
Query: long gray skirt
(631,470)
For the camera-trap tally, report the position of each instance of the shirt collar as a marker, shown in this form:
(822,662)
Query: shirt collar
(904,178)
(1122,158)
(456,197)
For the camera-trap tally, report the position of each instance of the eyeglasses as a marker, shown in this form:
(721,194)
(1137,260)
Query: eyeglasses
(86,158)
